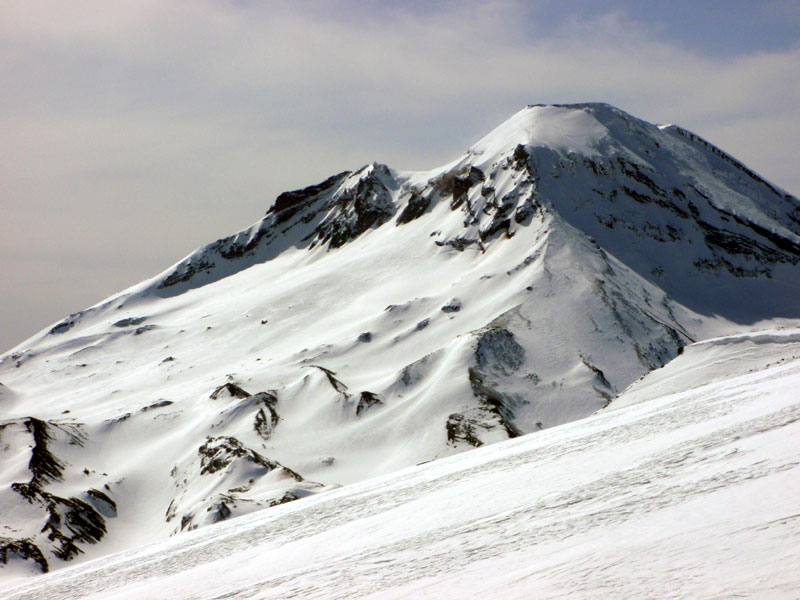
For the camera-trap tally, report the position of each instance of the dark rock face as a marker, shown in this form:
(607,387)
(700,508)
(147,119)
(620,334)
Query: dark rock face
(130,321)
(158,404)
(416,207)
(231,389)
(365,205)
(299,198)
(334,212)
(452,307)
(461,243)
(288,205)
(287,497)
(462,185)
(368,400)
(267,417)
(494,402)
(222,458)
(218,453)
(335,383)
(44,466)
(70,521)
(23,549)
(65,325)
(463,429)
(497,349)
(105,505)
(220,510)
(497,356)
(493,216)
(186,270)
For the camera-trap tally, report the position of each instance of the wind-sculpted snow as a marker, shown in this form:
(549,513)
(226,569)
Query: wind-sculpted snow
(687,492)
(381,319)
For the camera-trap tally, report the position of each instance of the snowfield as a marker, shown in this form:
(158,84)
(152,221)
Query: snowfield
(688,490)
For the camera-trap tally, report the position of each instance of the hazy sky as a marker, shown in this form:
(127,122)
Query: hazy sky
(134,131)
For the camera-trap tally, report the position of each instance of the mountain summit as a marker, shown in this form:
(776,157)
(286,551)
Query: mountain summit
(381,319)
(641,191)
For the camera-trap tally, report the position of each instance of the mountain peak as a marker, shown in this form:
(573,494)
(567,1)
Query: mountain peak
(564,128)
(663,200)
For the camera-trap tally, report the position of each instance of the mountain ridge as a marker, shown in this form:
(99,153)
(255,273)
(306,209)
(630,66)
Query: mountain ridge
(412,202)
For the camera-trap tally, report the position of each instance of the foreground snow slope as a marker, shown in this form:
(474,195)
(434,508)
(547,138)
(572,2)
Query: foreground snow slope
(382,319)
(685,487)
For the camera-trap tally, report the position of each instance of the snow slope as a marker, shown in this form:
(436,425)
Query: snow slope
(685,487)
(383,319)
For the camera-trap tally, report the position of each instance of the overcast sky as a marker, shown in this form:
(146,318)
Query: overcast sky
(135,131)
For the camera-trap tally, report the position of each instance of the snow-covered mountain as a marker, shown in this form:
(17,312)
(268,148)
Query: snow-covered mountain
(382,319)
